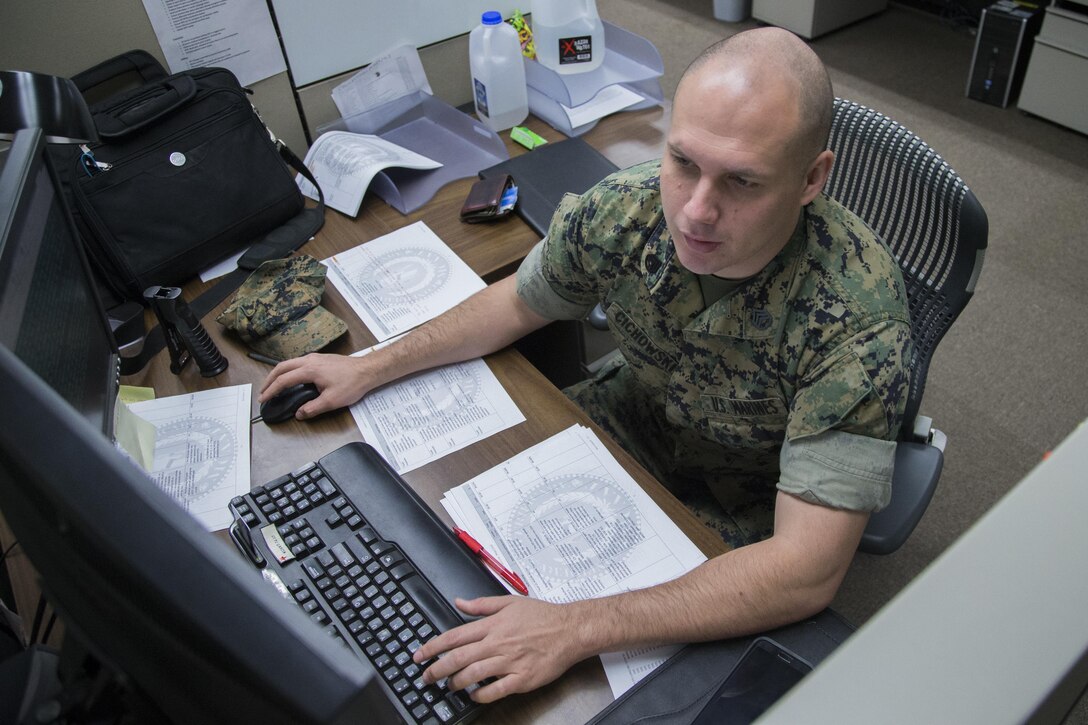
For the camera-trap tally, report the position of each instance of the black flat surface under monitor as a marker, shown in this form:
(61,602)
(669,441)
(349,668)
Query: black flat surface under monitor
(50,315)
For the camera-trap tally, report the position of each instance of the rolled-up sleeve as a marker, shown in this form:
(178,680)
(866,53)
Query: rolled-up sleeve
(534,290)
(838,469)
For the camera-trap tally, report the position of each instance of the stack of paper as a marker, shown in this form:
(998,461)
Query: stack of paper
(569,519)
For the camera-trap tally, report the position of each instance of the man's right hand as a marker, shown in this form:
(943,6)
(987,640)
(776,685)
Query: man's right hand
(341,380)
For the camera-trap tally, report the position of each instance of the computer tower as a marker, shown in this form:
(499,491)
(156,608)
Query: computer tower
(1002,47)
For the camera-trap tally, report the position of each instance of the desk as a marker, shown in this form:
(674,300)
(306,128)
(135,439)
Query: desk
(492,251)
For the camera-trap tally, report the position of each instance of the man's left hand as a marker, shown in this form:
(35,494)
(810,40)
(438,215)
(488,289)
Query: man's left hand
(523,643)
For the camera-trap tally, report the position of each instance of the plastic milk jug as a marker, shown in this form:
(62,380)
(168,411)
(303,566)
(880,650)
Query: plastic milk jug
(568,35)
(498,73)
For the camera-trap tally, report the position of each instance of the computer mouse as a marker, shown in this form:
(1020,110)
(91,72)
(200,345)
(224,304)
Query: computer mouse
(282,407)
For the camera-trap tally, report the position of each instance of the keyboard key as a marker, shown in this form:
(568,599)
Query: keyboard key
(443,711)
(459,702)
(390,558)
(402,570)
(323,483)
(343,555)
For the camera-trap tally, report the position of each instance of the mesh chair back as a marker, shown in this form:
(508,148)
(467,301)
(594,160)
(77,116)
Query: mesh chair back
(922,209)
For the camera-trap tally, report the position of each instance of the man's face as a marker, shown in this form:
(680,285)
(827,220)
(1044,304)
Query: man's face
(730,187)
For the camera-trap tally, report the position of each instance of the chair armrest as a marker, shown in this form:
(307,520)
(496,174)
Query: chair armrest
(917,470)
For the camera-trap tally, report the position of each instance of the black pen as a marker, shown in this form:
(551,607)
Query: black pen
(264,358)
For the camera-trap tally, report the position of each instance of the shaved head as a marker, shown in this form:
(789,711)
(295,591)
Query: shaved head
(767,56)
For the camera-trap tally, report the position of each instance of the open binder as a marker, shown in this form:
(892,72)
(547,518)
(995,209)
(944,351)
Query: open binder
(630,61)
(431,127)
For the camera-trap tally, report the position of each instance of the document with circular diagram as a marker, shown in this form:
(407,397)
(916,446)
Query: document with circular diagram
(569,519)
(201,449)
(402,279)
(422,417)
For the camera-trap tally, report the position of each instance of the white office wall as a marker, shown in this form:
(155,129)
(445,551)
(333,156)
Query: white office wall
(325,38)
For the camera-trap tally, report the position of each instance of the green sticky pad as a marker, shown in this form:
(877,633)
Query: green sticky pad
(526,138)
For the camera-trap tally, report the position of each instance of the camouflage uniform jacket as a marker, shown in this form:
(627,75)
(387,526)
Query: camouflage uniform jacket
(818,341)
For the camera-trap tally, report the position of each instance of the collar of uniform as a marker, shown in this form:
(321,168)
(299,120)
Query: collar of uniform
(757,310)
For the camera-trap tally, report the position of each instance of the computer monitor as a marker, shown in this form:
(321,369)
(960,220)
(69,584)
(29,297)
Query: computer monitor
(39,259)
(186,630)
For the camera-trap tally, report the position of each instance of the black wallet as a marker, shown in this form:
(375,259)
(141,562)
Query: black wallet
(485,199)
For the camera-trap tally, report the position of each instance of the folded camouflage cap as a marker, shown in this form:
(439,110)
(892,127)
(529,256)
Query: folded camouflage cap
(277,310)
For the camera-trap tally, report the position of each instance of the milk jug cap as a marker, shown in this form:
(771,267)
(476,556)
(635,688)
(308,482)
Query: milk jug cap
(491,17)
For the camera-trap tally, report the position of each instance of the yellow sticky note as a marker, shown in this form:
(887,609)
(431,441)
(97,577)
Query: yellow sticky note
(134,435)
(131,394)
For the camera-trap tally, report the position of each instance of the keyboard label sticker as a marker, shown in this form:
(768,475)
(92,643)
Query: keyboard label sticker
(276,545)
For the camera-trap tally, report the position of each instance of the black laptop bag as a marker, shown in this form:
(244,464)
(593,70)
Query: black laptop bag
(185,174)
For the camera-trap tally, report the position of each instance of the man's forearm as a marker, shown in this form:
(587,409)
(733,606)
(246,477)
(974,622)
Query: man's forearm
(783,579)
(488,321)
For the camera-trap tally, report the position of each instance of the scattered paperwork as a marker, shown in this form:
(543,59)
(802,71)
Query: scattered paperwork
(569,519)
(345,163)
(234,34)
(425,416)
(402,279)
(395,74)
(201,449)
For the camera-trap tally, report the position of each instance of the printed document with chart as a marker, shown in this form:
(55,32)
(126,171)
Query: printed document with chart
(402,279)
(573,524)
(424,416)
(201,449)
(345,163)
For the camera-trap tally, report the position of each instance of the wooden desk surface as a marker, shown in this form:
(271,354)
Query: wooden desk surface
(492,250)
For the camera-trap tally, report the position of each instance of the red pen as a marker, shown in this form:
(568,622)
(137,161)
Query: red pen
(475,547)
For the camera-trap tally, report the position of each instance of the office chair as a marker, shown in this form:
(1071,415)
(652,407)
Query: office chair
(937,231)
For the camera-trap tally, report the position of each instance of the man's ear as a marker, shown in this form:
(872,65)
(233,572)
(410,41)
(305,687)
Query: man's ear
(816,176)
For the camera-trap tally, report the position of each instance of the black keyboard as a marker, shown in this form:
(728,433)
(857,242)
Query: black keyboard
(359,573)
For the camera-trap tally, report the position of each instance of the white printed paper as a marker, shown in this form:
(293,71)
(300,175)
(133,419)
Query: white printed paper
(345,163)
(402,279)
(395,74)
(201,449)
(573,524)
(608,100)
(234,34)
(425,416)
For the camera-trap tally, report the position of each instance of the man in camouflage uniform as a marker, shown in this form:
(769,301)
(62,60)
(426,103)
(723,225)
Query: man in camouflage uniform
(719,392)
(765,336)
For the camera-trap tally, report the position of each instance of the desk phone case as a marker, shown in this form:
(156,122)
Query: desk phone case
(675,692)
(484,199)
